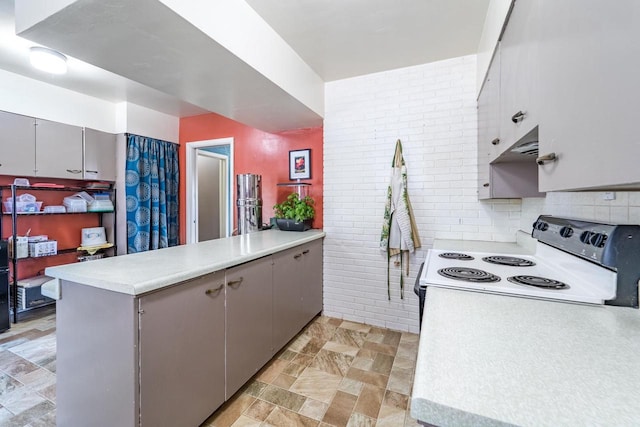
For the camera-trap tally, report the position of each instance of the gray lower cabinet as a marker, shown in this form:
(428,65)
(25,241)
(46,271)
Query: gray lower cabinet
(171,357)
(182,366)
(249,321)
(17,144)
(288,282)
(58,150)
(311,279)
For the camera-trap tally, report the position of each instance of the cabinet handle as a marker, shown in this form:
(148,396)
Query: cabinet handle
(496,141)
(305,252)
(215,291)
(551,157)
(235,283)
(517,117)
(485,185)
(74,171)
(296,256)
(91,171)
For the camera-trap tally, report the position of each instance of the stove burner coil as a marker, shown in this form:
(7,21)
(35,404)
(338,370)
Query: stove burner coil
(456,255)
(538,282)
(509,260)
(468,275)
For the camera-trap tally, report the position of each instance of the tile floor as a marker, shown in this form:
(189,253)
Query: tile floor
(334,373)
(27,373)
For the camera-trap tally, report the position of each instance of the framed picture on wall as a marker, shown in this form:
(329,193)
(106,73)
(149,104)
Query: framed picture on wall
(300,164)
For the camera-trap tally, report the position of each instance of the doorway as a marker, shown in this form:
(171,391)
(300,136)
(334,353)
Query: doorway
(209,180)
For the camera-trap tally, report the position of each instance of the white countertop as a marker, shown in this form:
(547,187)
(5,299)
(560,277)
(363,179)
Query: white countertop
(524,244)
(136,274)
(494,360)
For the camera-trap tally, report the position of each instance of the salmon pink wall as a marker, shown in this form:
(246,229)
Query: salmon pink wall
(256,152)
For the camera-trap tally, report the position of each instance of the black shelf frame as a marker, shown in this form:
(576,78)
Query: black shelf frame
(13,285)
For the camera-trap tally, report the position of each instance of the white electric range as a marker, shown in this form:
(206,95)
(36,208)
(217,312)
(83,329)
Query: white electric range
(575,261)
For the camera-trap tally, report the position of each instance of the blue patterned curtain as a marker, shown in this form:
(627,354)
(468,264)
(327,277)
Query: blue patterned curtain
(152,194)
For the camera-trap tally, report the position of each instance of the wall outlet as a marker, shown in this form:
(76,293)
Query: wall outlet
(609,195)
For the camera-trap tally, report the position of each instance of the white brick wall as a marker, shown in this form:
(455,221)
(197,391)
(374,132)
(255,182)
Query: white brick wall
(432,109)
(590,205)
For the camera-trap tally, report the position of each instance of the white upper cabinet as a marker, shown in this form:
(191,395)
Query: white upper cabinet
(58,150)
(589,70)
(17,144)
(99,155)
(519,58)
(488,126)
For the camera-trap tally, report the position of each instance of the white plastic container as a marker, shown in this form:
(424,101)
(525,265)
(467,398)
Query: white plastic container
(93,236)
(22,207)
(38,249)
(75,204)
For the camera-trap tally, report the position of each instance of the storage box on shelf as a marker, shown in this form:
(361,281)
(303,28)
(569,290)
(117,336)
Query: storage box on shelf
(51,237)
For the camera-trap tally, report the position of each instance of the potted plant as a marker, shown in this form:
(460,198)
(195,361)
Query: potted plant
(295,214)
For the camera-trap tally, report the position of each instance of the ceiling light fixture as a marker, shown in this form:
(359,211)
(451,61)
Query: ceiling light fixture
(48,60)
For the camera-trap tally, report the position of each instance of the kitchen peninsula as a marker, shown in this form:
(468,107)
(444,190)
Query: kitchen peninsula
(184,327)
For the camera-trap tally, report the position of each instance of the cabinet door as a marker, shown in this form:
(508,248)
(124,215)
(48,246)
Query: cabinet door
(249,321)
(519,71)
(289,277)
(99,155)
(590,62)
(58,150)
(17,144)
(312,279)
(489,142)
(182,352)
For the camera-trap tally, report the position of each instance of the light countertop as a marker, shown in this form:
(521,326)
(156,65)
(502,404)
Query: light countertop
(495,360)
(524,244)
(136,274)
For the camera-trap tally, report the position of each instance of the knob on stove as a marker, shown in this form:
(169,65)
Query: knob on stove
(540,225)
(598,239)
(585,237)
(566,232)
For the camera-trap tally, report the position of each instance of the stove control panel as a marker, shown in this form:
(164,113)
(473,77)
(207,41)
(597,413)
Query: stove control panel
(582,238)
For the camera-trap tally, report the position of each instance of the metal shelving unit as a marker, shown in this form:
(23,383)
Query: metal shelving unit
(14,261)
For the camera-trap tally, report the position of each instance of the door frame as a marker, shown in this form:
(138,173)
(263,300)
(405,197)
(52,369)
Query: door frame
(192,180)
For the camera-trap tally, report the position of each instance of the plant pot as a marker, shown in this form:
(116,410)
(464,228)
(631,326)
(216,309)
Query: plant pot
(292,225)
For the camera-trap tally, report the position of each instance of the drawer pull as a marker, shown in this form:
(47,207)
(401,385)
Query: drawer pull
(305,252)
(496,141)
(235,283)
(296,256)
(74,171)
(92,171)
(215,291)
(517,117)
(551,157)
(485,185)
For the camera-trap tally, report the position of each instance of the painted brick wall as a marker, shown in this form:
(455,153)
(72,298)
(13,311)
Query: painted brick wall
(590,205)
(432,109)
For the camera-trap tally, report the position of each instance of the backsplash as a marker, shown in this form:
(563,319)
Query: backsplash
(591,205)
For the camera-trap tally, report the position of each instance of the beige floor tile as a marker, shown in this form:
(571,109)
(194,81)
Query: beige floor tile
(272,370)
(283,418)
(382,364)
(313,409)
(245,421)
(281,397)
(340,409)
(360,327)
(351,386)
(359,420)
(408,350)
(390,416)
(349,337)
(401,380)
(284,381)
(404,363)
(392,398)
(294,370)
(317,385)
(332,362)
(259,410)
(341,348)
(373,378)
(369,401)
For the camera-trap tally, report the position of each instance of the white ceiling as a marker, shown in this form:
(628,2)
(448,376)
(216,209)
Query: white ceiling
(346,38)
(337,39)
